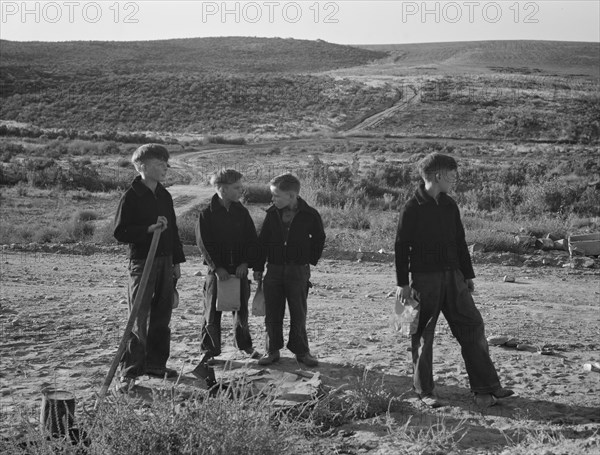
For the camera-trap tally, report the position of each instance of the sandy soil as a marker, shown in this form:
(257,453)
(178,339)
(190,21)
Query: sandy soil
(61,317)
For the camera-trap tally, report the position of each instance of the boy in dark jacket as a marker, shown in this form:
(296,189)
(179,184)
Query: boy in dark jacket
(226,237)
(146,207)
(430,244)
(291,238)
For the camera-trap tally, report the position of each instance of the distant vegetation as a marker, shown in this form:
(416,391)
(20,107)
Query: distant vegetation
(71,121)
(522,57)
(225,55)
(256,87)
(200,103)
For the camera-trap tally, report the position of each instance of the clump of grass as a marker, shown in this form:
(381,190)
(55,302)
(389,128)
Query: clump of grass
(367,397)
(364,397)
(234,420)
(352,216)
(81,226)
(103,233)
(257,194)
(544,441)
(47,235)
(435,438)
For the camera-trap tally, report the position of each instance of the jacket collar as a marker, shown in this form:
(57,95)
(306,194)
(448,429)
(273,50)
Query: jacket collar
(424,198)
(141,189)
(302,206)
(215,204)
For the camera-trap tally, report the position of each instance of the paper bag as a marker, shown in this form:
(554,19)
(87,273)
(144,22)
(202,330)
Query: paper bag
(405,318)
(258,303)
(228,294)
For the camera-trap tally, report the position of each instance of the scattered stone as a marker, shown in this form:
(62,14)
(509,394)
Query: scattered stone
(381,251)
(561,244)
(508,279)
(497,340)
(544,244)
(592,367)
(475,248)
(198,273)
(512,343)
(391,294)
(527,347)
(55,268)
(578,262)
(123,302)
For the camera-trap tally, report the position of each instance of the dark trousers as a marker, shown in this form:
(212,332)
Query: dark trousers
(281,283)
(211,325)
(448,292)
(149,343)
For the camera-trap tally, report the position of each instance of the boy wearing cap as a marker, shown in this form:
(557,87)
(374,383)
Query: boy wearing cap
(430,244)
(226,237)
(144,208)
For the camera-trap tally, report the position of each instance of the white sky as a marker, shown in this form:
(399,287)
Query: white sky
(343,22)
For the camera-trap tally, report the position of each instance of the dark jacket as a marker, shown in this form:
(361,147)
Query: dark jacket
(138,208)
(305,239)
(226,238)
(430,237)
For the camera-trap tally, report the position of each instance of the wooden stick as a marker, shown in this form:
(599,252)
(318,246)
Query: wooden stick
(132,315)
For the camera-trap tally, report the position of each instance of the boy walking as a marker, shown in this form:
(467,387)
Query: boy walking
(430,244)
(144,208)
(292,237)
(226,237)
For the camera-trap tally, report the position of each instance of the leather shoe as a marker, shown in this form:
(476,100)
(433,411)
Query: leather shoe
(484,400)
(269,358)
(501,392)
(307,359)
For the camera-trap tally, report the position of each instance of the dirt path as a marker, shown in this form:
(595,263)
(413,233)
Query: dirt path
(376,119)
(61,321)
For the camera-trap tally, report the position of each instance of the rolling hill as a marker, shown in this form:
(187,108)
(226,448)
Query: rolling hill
(525,57)
(269,87)
(194,55)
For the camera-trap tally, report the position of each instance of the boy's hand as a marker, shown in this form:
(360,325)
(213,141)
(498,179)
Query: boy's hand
(161,225)
(176,272)
(241,271)
(222,274)
(402,293)
(470,285)
(257,276)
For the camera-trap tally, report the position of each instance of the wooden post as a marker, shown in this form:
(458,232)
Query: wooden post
(132,315)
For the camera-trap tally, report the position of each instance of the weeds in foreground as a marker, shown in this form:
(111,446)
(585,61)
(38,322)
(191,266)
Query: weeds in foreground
(544,441)
(242,419)
(437,438)
(364,397)
(232,421)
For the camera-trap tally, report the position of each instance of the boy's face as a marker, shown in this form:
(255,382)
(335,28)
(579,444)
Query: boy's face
(231,192)
(446,179)
(282,199)
(154,169)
